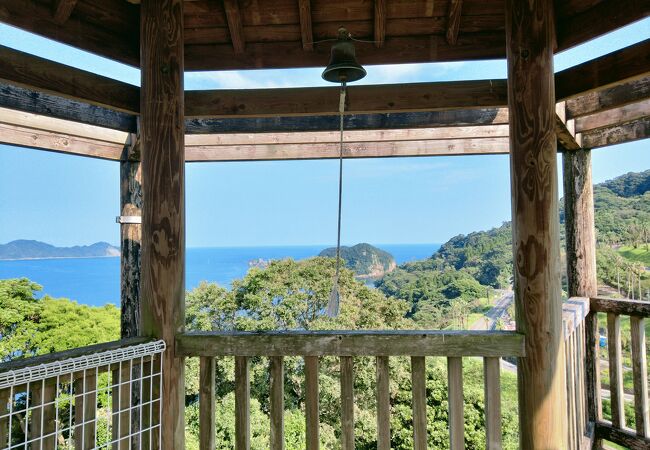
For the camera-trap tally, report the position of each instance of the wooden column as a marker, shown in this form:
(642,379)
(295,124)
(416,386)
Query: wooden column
(535,223)
(579,224)
(163,209)
(130,235)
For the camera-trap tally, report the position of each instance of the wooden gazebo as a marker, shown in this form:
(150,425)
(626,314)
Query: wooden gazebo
(152,130)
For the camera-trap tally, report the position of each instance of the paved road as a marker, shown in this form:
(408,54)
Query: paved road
(498,310)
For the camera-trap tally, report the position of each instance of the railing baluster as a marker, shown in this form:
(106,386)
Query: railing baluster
(347,403)
(615,370)
(85,386)
(568,351)
(592,372)
(456,403)
(311,402)
(42,419)
(277,402)
(4,417)
(580,357)
(383,404)
(640,375)
(242,404)
(207,403)
(492,376)
(419,392)
(121,403)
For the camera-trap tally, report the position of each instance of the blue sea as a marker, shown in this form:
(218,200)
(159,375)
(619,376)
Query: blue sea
(96,281)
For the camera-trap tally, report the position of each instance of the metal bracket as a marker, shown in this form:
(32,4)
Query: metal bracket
(128,219)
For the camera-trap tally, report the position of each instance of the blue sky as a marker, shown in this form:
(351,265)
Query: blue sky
(68,200)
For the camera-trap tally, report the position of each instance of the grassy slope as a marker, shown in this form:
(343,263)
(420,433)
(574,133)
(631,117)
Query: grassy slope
(640,254)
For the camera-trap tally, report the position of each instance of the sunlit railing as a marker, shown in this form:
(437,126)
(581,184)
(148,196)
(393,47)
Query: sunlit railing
(102,396)
(346,346)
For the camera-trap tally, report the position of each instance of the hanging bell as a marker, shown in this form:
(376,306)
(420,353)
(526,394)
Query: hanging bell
(343,66)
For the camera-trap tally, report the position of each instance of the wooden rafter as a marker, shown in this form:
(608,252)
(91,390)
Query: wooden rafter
(453,20)
(612,97)
(233,18)
(380,23)
(63,9)
(306,33)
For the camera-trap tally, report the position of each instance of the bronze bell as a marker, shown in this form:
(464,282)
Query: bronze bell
(343,66)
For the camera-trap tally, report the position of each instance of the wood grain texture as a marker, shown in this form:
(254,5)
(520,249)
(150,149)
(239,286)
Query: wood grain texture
(5,395)
(621,437)
(612,97)
(276,403)
(121,402)
(419,402)
(163,208)
(306,33)
(351,343)
(592,368)
(616,134)
(33,72)
(42,425)
(453,20)
(130,239)
(535,221)
(615,369)
(456,403)
(640,376)
(579,224)
(207,396)
(233,17)
(85,411)
(492,394)
(242,404)
(380,23)
(611,117)
(571,404)
(312,417)
(620,306)
(62,10)
(347,403)
(383,403)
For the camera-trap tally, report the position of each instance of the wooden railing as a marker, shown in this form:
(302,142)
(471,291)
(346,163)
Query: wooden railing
(616,431)
(346,345)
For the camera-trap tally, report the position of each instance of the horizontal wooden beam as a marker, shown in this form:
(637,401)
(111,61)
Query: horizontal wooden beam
(63,9)
(629,439)
(613,97)
(628,63)
(359,100)
(29,71)
(617,306)
(615,134)
(612,117)
(352,343)
(270,152)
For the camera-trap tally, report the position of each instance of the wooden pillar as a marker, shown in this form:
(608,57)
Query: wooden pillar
(163,209)
(535,223)
(579,224)
(130,236)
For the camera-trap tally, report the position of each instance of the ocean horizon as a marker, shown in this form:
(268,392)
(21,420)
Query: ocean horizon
(96,281)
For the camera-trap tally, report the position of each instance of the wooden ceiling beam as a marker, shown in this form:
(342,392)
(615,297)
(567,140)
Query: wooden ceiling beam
(612,97)
(32,72)
(624,64)
(380,23)
(615,134)
(611,117)
(233,18)
(606,16)
(62,10)
(453,21)
(306,33)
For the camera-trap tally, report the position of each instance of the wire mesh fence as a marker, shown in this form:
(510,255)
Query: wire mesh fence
(106,400)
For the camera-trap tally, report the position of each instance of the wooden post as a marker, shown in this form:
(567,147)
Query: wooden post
(130,233)
(535,223)
(163,199)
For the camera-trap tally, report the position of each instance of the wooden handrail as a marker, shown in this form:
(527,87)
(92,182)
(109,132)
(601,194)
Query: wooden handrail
(626,307)
(351,343)
(574,312)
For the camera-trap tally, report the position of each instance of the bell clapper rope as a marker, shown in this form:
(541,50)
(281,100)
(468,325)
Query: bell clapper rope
(334,303)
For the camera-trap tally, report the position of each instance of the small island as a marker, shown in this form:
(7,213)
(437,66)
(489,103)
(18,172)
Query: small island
(365,260)
(30,249)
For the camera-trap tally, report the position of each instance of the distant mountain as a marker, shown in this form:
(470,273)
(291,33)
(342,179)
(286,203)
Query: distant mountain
(365,260)
(27,249)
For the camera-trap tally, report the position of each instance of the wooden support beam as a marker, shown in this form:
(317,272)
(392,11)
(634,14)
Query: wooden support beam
(610,117)
(380,23)
(613,97)
(606,16)
(360,99)
(233,18)
(453,20)
(616,134)
(62,10)
(565,132)
(306,33)
(130,238)
(32,72)
(621,306)
(264,152)
(535,222)
(631,62)
(163,210)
